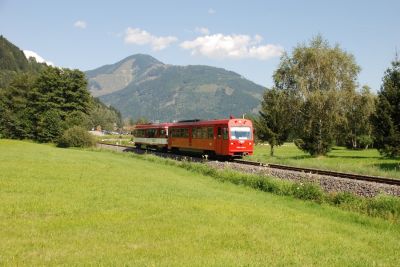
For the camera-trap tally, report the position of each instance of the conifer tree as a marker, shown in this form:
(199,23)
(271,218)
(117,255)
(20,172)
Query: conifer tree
(386,120)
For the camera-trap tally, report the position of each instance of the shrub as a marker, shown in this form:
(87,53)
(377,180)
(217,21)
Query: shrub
(343,198)
(307,191)
(384,206)
(76,137)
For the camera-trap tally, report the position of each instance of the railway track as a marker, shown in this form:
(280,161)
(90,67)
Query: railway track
(375,179)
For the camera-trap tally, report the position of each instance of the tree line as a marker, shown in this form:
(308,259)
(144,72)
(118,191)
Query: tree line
(42,105)
(316,102)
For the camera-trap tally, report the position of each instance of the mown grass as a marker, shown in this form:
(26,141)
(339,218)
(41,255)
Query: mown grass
(339,159)
(77,207)
(384,206)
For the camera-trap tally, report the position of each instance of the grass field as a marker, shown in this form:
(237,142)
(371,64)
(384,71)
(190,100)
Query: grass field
(77,207)
(340,159)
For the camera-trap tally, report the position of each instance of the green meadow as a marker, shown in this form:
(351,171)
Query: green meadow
(367,161)
(86,207)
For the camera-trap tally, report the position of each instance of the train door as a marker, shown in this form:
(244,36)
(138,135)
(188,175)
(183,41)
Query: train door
(225,141)
(218,141)
(190,130)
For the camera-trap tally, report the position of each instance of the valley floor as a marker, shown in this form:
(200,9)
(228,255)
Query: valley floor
(79,207)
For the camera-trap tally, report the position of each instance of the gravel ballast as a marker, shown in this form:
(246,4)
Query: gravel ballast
(327,183)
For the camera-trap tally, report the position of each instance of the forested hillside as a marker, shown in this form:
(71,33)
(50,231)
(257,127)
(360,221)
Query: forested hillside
(142,86)
(40,102)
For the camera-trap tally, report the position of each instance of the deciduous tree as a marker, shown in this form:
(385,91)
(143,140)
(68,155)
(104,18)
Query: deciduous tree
(316,77)
(274,123)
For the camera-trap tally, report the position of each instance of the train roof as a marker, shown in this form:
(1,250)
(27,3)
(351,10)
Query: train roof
(234,121)
(212,122)
(152,125)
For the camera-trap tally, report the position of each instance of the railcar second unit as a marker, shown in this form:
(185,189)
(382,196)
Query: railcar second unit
(151,135)
(226,138)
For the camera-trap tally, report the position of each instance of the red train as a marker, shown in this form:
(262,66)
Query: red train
(226,137)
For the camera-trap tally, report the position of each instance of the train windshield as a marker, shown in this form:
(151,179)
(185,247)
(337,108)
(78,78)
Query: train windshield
(240,133)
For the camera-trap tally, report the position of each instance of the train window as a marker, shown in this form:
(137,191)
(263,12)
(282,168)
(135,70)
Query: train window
(195,133)
(203,133)
(242,133)
(210,133)
(163,133)
(150,133)
(180,132)
(225,133)
(219,132)
(138,133)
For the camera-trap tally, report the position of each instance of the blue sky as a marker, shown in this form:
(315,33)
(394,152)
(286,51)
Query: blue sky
(243,36)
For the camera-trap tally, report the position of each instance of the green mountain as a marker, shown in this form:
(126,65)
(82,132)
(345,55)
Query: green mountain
(13,61)
(11,57)
(142,86)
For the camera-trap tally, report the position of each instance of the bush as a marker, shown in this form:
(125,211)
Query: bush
(384,206)
(308,191)
(76,137)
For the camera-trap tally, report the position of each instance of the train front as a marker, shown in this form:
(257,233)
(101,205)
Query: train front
(241,140)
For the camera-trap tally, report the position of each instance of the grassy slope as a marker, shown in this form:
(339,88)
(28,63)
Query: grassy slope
(340,159)
(79,207)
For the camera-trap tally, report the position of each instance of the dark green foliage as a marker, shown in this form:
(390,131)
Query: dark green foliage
(13,61)
(318,118)
(78,118)
(39,102)
(50,126)
(16,108)
(76,137)
(274,123)
(386,120)
(11,57)
(62,89)
(107,118)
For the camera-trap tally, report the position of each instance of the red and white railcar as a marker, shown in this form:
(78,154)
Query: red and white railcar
(151,135)
(227,137)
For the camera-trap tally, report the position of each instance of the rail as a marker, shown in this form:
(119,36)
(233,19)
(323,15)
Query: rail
(360,177)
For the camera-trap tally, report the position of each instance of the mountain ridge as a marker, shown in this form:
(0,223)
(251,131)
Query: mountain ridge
(142,86)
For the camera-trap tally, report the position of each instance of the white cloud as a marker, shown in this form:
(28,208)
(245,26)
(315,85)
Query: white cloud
(232,46)
(38,58)
(80,24)
(211,11)
(202,30)
(142,37)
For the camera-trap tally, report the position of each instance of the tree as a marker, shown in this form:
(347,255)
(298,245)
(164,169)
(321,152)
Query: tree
(15,108)
(50,126)
(316,72)
(318,119)
(356,126)
(386,120)
(273,125)
(62,89)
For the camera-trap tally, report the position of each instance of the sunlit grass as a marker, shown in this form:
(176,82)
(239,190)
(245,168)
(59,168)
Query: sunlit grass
(77,207)
(340,159)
